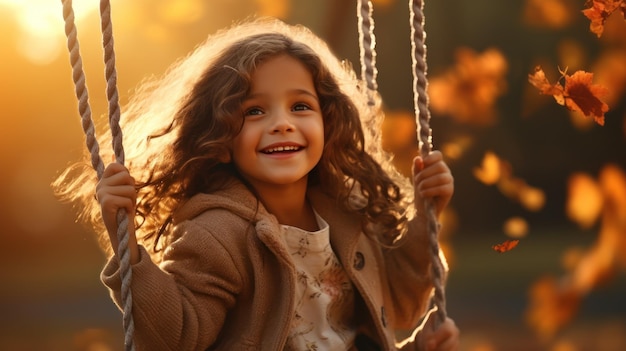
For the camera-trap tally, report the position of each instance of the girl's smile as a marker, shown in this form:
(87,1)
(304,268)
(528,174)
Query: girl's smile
(279,149)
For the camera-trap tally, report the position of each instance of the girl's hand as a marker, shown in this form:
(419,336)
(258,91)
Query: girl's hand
(115,191)
(444,338)
(432,179)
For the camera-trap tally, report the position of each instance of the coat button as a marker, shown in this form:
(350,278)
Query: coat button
(359,261)
(383,316)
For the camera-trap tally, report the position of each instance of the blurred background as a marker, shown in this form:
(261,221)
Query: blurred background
(525,167)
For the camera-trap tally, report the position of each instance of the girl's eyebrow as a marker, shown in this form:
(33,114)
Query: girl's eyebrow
(295,91)
(303,92)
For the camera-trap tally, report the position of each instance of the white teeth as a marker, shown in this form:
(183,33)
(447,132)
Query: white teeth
(282,148)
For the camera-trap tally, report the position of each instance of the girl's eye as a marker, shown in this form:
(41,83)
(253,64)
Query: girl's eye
(255,111)
(301,107)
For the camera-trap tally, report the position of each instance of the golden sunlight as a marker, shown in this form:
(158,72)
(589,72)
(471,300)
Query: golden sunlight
(182,12)
(41,37)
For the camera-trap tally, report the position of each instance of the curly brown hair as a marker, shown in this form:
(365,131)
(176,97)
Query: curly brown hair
(190,154)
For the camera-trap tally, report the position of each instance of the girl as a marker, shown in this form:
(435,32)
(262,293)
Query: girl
(265,217)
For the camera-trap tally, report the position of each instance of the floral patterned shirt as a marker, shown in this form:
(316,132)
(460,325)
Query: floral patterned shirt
(324,294)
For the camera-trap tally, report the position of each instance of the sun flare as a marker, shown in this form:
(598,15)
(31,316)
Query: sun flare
(40,24)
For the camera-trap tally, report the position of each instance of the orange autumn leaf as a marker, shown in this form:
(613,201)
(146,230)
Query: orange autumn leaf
(505,246)
(539,81)
(579,93)
(598,11)
(583,96)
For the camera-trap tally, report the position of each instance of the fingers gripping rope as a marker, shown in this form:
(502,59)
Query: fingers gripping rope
(422,113)
(78,76)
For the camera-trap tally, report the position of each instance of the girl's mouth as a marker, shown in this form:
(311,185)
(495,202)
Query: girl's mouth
(278,149)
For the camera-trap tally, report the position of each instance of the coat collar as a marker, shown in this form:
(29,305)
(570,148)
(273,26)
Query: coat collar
(235,198)
(345,227)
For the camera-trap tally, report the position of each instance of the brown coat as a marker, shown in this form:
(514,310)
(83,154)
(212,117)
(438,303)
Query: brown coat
(227,282)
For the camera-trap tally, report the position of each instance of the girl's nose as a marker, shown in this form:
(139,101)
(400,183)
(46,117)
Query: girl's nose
(281,123)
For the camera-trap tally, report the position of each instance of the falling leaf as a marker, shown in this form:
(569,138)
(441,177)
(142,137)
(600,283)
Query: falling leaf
(579,94)
(540,81)
(598,11)
(505,246)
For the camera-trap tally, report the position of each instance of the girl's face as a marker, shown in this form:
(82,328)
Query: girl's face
(282,137)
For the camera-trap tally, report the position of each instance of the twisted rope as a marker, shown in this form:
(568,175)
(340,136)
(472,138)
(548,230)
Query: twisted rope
(424,138)
(367,43)
(367,47)
(78,76)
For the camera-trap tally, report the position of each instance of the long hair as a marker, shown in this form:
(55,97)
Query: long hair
(178,132)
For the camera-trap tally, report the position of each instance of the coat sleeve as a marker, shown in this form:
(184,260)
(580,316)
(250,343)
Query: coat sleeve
(181,304)
(408,268)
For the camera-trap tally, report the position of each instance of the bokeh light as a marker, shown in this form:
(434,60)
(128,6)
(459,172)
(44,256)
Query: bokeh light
(39,39)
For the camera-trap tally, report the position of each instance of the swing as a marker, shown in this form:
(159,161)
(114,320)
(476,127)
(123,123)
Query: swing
(369,73)
(78,76)
(367,44)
